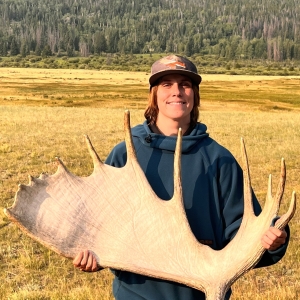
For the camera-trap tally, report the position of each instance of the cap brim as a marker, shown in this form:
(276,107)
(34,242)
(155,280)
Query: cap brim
(196,78)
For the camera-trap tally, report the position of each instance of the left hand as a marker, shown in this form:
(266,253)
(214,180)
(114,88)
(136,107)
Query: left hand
(273,238)
(86,261)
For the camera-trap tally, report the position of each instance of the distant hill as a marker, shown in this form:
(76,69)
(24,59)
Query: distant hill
(229,29)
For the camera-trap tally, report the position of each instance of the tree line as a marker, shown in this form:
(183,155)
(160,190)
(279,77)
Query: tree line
(227,29)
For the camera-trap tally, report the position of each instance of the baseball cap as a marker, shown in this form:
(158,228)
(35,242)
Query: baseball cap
(174,64)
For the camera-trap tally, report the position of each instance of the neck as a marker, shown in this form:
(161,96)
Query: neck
(170,127)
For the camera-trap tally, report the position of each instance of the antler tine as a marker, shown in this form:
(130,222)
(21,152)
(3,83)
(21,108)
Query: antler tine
(269,191)
(31,179)
(284,219)
(177,166)
(61,165)
(177,161)
(248,209)
(275,202)
(281,184)
(131,155)
(95,157)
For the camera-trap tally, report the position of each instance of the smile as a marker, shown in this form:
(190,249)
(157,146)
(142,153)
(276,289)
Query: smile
(176,103)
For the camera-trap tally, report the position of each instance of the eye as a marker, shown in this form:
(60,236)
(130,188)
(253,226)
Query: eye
(186,84)
(166,84)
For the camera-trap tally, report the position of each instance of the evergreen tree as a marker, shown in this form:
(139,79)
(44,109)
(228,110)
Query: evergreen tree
(38,50)
(121,46)
(14,48)
(234,29)
(100,44)
(46,51)
(70,50)
(23,50)
(3,47)
(112,41)
(189,48)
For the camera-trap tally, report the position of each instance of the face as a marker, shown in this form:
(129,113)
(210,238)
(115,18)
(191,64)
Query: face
(175,97)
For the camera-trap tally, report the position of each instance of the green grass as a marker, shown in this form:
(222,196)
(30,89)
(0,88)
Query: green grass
(266,93)
(77,89)
(207,64)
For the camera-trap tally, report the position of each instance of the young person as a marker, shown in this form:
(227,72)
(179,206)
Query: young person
(212,180)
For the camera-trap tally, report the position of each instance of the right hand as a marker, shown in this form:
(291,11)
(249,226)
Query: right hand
(86,261)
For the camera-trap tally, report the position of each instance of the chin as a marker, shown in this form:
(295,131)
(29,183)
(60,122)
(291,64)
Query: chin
(181,117)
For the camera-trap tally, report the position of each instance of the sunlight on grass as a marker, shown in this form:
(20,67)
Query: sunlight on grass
(77,88)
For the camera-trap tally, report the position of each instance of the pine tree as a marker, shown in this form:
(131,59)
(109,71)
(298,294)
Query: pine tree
(189,47)
(3,48)
(46,51)
(14,48)
(23,50)
(38,50)
(100,44)
(70,50)
(267,31)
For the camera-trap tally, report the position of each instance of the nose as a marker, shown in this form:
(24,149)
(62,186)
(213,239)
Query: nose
(176,90)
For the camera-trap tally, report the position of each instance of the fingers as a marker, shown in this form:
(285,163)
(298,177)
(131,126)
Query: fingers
(86,261)
(92,264)
(77,259)
(273,238)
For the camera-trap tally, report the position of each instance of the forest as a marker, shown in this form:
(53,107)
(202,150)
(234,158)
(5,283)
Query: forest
(227,29)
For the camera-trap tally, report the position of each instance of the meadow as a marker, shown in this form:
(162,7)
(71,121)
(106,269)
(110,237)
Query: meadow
(44,113)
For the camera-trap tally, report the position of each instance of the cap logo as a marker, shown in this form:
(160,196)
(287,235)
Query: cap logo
(173,64)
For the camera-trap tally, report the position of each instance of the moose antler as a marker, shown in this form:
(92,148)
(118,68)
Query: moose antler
(115,213)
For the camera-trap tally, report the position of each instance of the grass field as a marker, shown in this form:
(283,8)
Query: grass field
(44,114)
(117,89)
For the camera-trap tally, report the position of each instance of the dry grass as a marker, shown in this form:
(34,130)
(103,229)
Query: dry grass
(32,134)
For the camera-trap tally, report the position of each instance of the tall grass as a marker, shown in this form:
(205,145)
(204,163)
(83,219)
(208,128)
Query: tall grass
(31,137)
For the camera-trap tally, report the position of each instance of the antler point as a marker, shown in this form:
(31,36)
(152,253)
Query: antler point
(242,142)
(31,178)
(60,163)
(21,186)
(87,138)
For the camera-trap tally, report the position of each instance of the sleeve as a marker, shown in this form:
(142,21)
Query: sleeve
(118,156)
(231,189)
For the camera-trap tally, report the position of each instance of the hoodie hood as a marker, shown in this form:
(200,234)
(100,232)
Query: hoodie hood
(168,143)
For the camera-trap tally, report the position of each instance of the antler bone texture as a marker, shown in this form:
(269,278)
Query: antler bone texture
(115,213)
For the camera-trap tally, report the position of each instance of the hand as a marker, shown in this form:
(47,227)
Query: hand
(273,238)
(86,261)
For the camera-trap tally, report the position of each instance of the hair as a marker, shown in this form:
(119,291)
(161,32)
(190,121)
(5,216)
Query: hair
(151,111)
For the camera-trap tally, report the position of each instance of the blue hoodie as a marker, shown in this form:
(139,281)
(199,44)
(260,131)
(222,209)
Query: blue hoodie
(212,182)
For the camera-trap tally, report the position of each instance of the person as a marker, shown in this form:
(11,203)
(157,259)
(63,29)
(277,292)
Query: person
(212,179)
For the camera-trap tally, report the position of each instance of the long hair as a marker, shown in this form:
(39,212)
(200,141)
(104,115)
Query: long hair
(151,111)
